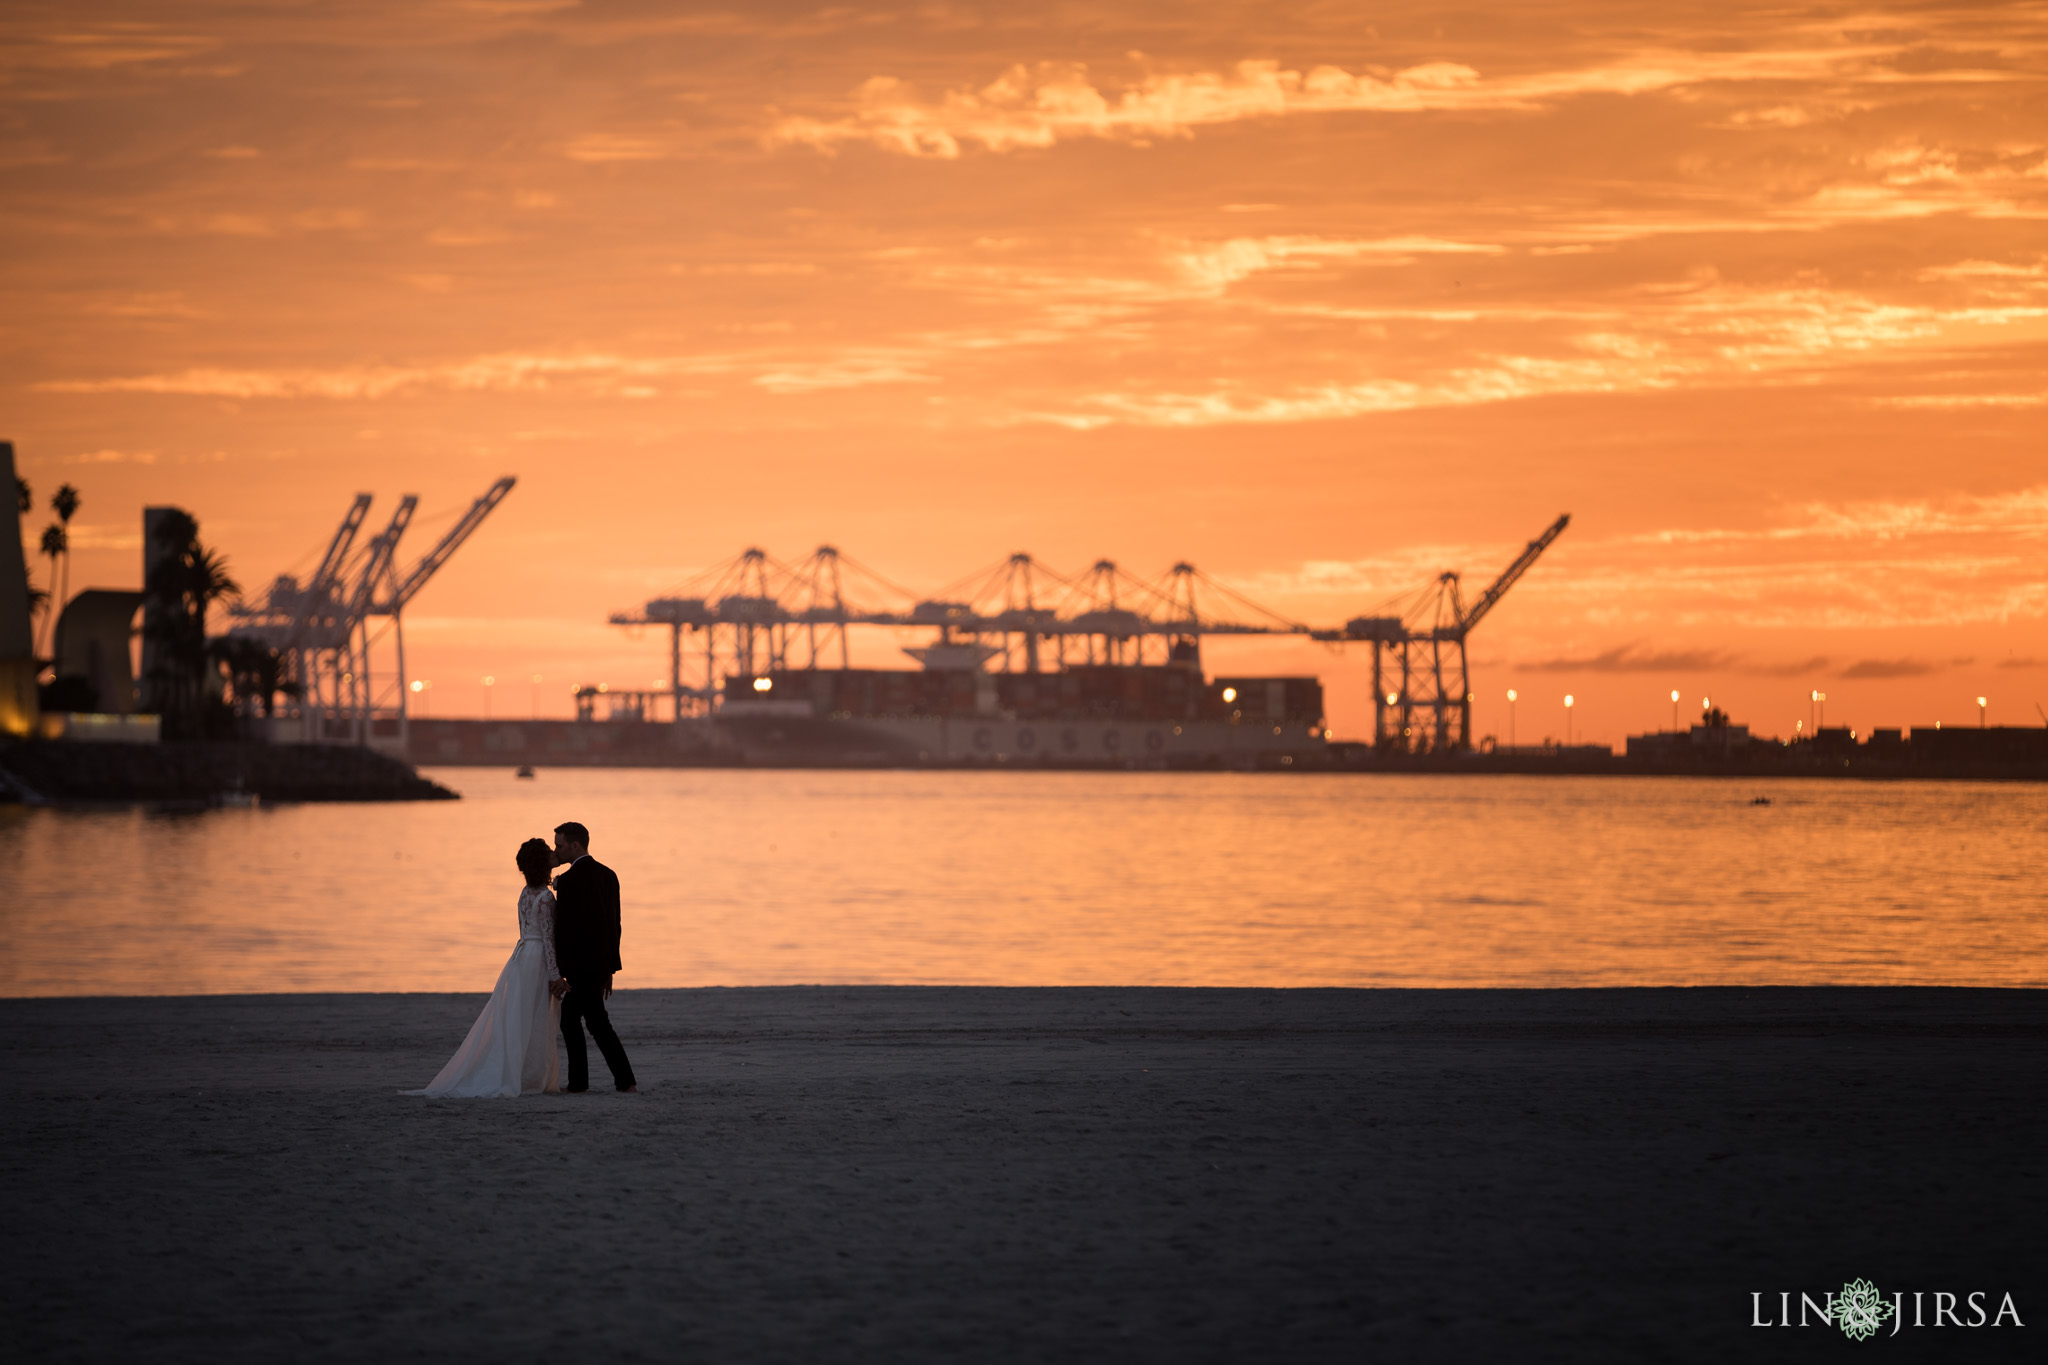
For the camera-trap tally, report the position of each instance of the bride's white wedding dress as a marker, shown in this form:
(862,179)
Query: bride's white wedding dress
(510,1050)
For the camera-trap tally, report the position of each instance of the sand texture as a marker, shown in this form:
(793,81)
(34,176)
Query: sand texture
(902,1174)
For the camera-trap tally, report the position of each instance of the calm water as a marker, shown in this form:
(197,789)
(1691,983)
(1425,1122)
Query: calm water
(745,878)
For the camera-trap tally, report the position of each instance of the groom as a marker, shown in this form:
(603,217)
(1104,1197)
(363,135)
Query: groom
(587,949)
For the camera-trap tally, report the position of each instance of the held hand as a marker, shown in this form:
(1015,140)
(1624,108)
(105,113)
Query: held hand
(558,988)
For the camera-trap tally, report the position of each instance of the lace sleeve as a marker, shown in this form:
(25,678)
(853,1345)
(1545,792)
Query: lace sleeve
(545,904)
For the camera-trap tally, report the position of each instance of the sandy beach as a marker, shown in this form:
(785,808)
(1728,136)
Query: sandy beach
(896,1174)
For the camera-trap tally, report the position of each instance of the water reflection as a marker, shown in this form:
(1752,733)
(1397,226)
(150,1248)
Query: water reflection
(747,878)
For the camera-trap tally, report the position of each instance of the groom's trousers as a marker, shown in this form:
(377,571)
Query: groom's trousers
(585,1005)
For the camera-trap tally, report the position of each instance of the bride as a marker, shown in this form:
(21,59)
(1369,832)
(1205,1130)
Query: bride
(510,1049)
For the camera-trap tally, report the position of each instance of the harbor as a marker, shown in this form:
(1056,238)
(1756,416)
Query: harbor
(1018,666)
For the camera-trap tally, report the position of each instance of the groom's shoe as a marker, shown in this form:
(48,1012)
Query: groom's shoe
(629,1090)
(575,1090)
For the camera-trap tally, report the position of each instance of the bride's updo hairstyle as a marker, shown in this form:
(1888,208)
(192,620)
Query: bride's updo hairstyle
(536,860)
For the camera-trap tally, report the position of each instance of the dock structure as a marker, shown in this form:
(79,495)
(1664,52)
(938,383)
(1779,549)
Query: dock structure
(327,628)
(737,632)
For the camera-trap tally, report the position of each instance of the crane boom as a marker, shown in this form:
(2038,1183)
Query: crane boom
(377,563)
(344,537)
(319,593)
(431,562)
(1500,587)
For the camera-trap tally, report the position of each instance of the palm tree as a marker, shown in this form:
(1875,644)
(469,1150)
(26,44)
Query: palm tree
(54,544)
(24,495)
(208,580)
(65,505)
(183,587)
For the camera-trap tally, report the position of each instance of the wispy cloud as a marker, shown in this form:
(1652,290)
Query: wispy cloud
(1039,106)
(606,147)
(1891,668)
(1214,267)
(1640,658)
(492,372)
(1635,658)
(619,375)
(112,457)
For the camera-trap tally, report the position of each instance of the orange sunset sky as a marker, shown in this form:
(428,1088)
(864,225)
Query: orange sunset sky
(1324,298)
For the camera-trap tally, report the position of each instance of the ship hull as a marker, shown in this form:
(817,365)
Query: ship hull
(997,741)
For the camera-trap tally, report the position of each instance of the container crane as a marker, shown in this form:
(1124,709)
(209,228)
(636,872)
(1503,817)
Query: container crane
(323,627)
(1434,686)
(399,591)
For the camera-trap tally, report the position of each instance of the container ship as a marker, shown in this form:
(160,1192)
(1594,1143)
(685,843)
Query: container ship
(1083,715)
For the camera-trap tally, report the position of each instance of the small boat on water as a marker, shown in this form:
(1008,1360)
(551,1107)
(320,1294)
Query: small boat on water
(525,770)
(1760,801)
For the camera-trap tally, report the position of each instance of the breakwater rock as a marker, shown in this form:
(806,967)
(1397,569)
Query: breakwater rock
(211,773)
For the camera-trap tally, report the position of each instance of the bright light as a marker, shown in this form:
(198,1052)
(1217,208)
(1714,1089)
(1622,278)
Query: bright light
(489,681)
(766,684)
(604,687)
(1391,698)
(1229,694)
(418,686)
(1674,694)
(1511,694)
(1567,699)
(1706,703)
(1980,703)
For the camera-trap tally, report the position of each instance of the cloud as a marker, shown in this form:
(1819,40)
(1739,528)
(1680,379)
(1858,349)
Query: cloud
(845,373)
(1961,400)
(2022,512)
(446,236)
(603,147)
(491,372)
(169,306)
(1038,106)
(1891,668)
(88,537)
(111,457)
(615,375)
(398,163)
(1635,659)
(1216,267)
(105,48)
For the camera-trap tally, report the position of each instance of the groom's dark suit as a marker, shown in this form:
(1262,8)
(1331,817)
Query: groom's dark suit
(587,951)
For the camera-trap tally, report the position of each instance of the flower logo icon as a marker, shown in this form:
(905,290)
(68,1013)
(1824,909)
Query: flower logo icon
(1860,1310)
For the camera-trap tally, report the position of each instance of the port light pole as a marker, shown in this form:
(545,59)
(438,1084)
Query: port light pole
(1567,719)
(1674,710)
(489,683)
(1981,704)
(1511,717)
